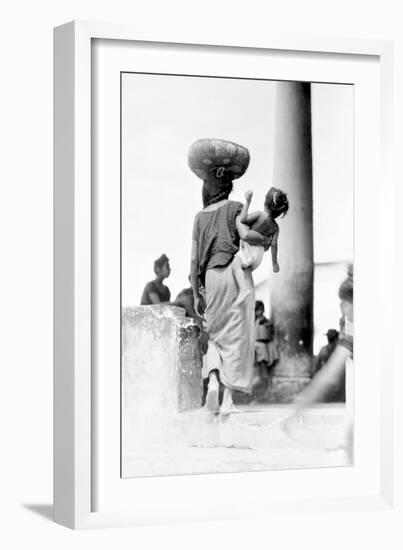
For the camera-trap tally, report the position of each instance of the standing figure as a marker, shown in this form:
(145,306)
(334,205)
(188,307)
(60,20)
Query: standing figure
(266,354)
(215,242)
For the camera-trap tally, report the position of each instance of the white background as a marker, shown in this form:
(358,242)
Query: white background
(26,274)
(156,107)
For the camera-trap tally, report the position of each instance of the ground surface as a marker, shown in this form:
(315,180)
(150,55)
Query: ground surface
(250,440)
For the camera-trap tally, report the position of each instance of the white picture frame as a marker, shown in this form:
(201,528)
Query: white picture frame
(75,424)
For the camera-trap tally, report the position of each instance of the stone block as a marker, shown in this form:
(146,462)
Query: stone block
(161,359)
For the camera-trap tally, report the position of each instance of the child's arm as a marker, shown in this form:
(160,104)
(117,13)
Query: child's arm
(274,249)
(244,212)
(244,216)
(244,222)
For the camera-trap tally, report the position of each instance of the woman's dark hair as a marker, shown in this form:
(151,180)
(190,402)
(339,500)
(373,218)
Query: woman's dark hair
(217,186)
(160,262)
(347,287)
(259,305)
(276,202)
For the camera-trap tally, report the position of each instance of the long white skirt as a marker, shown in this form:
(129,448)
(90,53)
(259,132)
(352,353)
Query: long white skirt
(230,319)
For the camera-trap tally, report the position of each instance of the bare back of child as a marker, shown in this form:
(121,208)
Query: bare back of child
(264,223)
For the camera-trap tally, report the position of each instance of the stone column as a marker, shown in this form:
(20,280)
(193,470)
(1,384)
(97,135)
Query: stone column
(292,287)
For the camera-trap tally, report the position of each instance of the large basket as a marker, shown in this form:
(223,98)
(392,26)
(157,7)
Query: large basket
(207,155)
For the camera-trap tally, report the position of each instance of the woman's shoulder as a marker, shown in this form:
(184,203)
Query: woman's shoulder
(234,207)
(227,208)
(198,217)
(230,215)
(234,204)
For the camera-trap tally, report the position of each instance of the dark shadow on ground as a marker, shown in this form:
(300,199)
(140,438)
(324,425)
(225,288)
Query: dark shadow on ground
(44,510)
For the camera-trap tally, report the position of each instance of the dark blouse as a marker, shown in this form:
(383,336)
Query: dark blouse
(216,236)
(163,293)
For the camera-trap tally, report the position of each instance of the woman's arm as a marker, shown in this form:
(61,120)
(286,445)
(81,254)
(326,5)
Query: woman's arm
(194,269)
(194,280)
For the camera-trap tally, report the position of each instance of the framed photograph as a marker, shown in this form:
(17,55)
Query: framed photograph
(219,237)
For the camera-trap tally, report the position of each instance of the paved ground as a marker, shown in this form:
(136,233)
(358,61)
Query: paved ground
(249,440)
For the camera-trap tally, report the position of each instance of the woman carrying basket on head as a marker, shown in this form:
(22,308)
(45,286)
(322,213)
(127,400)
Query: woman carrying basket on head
(215,242)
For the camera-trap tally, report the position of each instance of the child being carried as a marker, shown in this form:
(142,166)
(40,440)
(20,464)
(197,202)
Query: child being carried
(263,222)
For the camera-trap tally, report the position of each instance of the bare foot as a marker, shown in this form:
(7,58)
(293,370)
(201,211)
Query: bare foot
(227,406)
(212,404)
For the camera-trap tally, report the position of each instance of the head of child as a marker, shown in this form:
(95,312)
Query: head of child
(162,268)
(259,309)
(276,203)
(346,296)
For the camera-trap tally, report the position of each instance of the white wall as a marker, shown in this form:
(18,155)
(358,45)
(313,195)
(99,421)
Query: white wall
(26,253)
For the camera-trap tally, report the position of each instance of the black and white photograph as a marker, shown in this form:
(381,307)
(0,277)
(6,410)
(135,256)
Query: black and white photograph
(236,275)
(202,275)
